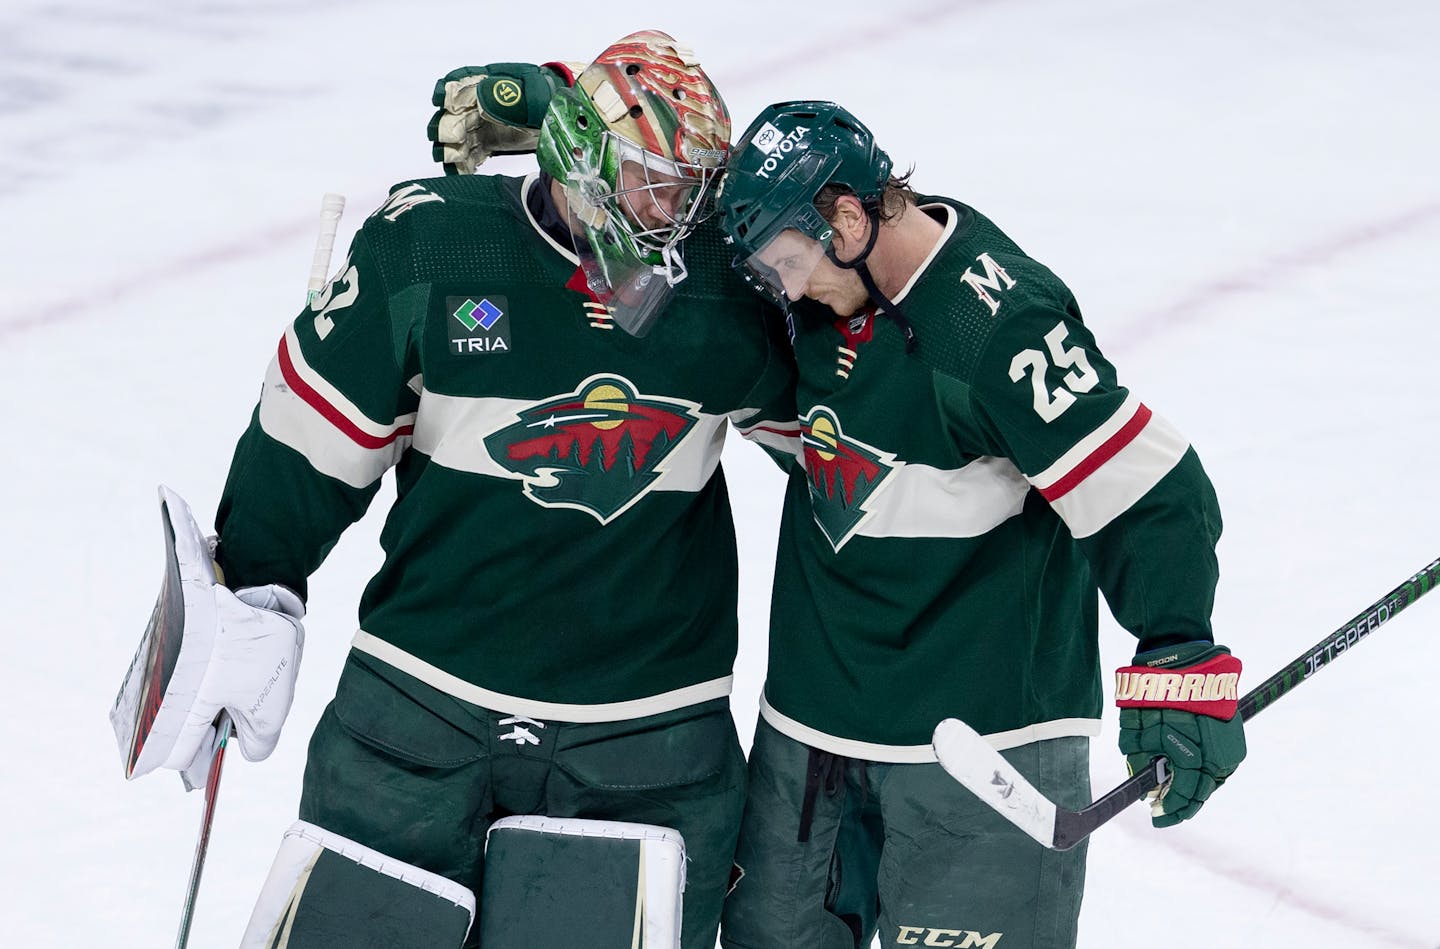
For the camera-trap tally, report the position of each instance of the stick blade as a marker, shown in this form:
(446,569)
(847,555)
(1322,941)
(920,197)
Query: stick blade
(968,758)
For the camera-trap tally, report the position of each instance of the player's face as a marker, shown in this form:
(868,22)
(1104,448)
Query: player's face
(787,262)
(839,289)
(794,266)
(651,198)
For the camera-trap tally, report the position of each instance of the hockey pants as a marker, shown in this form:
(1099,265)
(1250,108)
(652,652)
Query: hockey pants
(420,775)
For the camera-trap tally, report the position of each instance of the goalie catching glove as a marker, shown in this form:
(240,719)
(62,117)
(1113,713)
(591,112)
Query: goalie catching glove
(491,110)
(1180,703)
(207,649)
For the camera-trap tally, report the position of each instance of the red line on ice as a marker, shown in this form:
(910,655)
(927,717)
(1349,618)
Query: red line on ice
(1268,274)
(100,300)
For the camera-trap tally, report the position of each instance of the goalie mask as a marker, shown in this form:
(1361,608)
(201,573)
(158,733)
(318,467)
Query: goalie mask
(638,144)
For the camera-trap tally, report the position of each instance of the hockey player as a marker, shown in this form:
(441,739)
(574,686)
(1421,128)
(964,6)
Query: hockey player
(972,473)
(553,626)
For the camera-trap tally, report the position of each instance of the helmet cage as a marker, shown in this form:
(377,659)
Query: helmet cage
(676,195)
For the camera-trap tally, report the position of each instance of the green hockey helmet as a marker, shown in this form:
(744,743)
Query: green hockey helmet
(767,204)
(638,143)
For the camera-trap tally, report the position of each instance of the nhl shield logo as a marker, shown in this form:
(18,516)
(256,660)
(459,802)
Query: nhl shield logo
(598,449)
(843,473)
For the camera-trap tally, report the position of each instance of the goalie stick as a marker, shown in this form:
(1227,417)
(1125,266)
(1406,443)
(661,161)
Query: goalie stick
(223,730)
(970,759)
(331,207)
(146,682)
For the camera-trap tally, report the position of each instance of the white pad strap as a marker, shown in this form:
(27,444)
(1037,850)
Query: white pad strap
(327,889)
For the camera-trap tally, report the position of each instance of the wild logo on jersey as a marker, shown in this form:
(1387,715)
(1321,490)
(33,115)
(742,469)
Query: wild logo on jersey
(598,449)
(844,474)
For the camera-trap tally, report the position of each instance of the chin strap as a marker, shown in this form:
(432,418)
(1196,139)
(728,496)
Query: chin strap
(887,306)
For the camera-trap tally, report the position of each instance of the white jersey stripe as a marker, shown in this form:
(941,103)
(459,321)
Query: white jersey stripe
(293,421)
(1088,445)
(1126,477)
(330,401)
(920,754)
(545,711)
(921,501)
(782,437)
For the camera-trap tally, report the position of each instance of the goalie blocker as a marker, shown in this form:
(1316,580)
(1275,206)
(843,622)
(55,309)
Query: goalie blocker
(548,882)
(206,649)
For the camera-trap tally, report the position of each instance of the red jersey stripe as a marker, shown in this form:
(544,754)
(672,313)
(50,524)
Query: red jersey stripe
(329,412)
(1092,462)
(770,429)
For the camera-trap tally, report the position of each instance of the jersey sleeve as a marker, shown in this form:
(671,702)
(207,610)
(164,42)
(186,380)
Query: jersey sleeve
(336,410)
(769,418)
(1126,483)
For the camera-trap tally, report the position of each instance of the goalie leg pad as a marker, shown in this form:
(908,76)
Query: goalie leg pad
(328,892)
(566,881)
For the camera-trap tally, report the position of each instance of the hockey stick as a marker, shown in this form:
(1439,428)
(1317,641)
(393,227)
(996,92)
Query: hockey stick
(223,730)
(331,207)
(971,760)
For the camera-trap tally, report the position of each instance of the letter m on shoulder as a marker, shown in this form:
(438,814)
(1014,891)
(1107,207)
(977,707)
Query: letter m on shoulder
(994,281)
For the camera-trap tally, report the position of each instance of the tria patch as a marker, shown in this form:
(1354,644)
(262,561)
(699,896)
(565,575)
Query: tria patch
(598,449)
(843,474)
(478,327)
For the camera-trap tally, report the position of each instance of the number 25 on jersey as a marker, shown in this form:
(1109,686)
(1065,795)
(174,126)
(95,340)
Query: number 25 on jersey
(1051,404)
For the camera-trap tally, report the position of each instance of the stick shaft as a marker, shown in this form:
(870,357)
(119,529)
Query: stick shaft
(1335,645)
(1073,826)
(331,207)
(223,731)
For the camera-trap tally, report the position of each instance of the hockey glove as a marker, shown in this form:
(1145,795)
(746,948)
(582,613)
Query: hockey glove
(491,110)
(251,674)
(1180,702)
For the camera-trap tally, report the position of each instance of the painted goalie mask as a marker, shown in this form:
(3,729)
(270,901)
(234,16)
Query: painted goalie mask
(638,143)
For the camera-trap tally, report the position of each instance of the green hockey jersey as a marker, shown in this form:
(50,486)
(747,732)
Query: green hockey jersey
(561,545)
(956,510)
